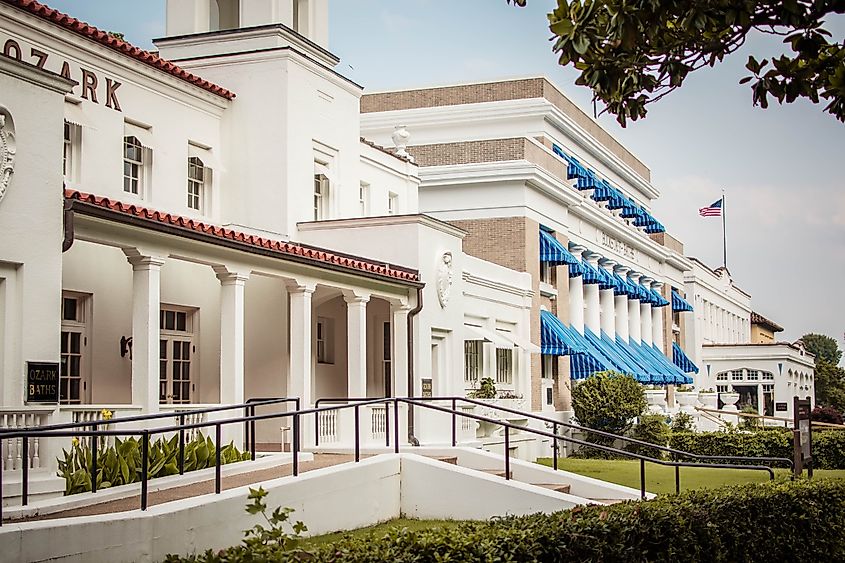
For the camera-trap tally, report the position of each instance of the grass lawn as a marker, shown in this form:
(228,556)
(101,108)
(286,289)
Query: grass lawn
(380,529)
(661,479)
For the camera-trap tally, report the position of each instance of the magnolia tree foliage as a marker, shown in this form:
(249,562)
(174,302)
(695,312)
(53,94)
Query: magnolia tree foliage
(633,52)
(608,401)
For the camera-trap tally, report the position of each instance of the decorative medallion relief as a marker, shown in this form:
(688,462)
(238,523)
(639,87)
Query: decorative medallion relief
(444,278)
(7,150)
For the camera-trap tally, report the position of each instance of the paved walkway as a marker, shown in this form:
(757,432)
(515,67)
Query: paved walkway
(200,488)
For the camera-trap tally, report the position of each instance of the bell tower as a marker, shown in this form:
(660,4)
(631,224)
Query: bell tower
(308,18)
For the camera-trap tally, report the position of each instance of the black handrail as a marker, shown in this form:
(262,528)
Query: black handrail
(354,404)
(556,423)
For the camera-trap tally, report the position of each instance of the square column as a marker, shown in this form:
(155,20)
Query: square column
(231,335)
(634,327)
(645,316)
(608,304)
(146,308)
(657,332)
(592,315)
(356,343)
(576,303)
(621,308)
(399,359)
(301,355)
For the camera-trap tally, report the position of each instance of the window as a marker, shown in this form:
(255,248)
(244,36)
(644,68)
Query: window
(549,396)
(392,203)
(72,384)
(325,342)
(722,376)
(768,376)
(753,375)
(321,197)
(548,367)
(133,165)
(196,183)
(176,352)
(363,198)
(67,153)
(721,388)
(472,359)
(736,375)
(504,365)
(386,355)
(545,272)
(71,152)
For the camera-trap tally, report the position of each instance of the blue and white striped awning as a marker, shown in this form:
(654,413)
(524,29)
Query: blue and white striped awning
(622,287)
(553,252)
(655,374)
(657,299)
(679,303)
(620,361)
(556,339)
(671,372)
(591,274)
(607,280)
(681,360)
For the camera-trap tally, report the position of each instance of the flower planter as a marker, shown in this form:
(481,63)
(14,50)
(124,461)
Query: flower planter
(730,400)
(709,400)
(686,400)
(656,401)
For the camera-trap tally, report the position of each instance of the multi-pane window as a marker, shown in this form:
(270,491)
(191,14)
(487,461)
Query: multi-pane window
(768,376)
(363,197)
(73,341)
(722,388)
(392,203)
(321,197)
(473,354)
(67,153)
(325,351)
(753,375)
(133,165)
(387,355)
(736,375)
(722,376)
(196,183)
(545,272)
(176,351)
(504,365)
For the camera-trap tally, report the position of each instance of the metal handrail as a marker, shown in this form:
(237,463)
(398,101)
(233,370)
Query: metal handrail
(556,423)
(296,415)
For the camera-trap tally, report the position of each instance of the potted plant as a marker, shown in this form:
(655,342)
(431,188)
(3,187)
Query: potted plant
(729,399)
(709,398)
(686,397)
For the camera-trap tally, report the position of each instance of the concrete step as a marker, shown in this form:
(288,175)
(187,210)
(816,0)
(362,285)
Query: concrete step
(558,487)
(451,460)
(497,473)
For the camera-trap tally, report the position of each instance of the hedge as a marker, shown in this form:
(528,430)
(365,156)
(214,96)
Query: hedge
(779,521)
(828,447)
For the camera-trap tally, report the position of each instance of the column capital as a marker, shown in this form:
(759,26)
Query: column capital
(646,280)
(593,257)
(622,270)
(657,284)
(635,276)
(141,262)
(229,277)
(295,286)
(576,248)
(608,264)
(351,297)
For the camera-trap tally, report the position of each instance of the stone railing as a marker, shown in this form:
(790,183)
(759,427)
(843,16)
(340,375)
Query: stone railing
(11,451)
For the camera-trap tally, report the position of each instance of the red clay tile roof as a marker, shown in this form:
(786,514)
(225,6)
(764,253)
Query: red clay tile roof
(758,319)
(112,42)
(317,255)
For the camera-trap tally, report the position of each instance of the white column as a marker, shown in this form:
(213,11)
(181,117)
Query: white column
(576,295)
(356,343)
(608,304)
(592,313)
(634,327)
(146,308)
(301,355)
(621,308)
(657,321)
(645,316)
(399,357)
(231,335)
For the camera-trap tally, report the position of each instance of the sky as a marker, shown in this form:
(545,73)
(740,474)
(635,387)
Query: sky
(782,168)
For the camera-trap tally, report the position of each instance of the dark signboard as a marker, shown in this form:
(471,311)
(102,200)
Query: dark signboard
(42,382)
(781,407)
(426,388)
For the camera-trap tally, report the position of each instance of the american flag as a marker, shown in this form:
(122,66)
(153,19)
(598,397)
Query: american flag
(712,210)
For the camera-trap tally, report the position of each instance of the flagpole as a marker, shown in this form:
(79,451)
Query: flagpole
(724,234)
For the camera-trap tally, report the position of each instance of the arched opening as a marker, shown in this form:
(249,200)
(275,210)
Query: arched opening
(224,14)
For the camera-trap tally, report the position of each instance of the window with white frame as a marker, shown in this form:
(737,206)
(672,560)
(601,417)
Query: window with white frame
(387,364)
(736,375)
(363,199)
(74,341)
(548,367)
(196,184)
(392,203)
(504,365)
(753,375)
(133,166)
(321,197)
(473,359)
(722,376)
(325,340)
(67,153)
(71,151)
(545,272)
(721,388)
(177,354)
(768,376)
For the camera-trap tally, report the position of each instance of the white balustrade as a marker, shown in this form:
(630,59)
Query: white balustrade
(378,423)
(188,412)
(11,453)
(468,426)
(329,428)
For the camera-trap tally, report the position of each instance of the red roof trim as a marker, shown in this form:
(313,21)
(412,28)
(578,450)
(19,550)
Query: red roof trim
(280,247)
(72,24)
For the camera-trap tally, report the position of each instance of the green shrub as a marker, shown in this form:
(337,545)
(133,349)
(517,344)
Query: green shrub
(487,390)
(608,401)
(780,521)
(829,449)
(651,428)
(748,422)
(764,443)
(121,464)
(683,422)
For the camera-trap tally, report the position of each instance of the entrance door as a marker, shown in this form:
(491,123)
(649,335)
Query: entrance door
(747,397)
(176,351)
(73,383)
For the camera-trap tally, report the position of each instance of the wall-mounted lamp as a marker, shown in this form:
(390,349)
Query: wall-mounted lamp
(125,347)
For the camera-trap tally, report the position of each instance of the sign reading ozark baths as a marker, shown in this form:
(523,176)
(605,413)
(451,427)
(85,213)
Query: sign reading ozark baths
(42,382)
(91,85)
